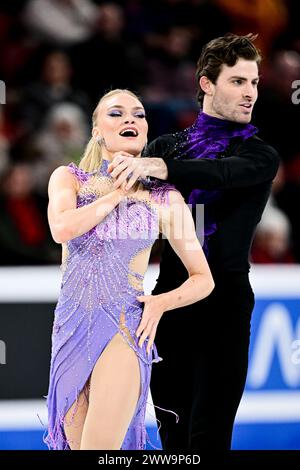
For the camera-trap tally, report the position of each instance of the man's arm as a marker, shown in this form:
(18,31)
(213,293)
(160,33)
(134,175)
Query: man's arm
(255,163)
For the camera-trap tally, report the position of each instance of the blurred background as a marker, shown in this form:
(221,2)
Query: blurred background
(58,57)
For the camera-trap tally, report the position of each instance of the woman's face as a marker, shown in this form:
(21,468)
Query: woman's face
(121,122)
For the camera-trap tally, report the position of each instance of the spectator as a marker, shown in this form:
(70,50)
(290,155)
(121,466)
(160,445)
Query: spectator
(287,199)
(4,142)
(52,88)
(108,60)
(170,71)
(24,234)
(62,22)
(272,239)
(275,104)
(268,18)
(170,89)
(61,141)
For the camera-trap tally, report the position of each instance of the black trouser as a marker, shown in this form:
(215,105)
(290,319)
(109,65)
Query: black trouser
(205,357)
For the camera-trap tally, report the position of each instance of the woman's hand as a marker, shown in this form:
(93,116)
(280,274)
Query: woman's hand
(153,311)
(122,190)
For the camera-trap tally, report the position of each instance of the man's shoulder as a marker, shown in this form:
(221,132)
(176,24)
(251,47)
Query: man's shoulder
(256,141)
(162,146)
(257,146)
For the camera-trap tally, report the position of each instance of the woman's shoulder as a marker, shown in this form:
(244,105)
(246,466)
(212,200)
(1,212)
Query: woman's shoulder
(175,197)
(61,172)
(169,207)
(71,168)
(160,191)
(61,179)
(80,174)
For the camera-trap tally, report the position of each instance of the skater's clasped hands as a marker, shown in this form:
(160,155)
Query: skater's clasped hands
(126,169)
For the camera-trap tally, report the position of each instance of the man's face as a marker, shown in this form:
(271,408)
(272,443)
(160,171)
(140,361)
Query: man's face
(235,92)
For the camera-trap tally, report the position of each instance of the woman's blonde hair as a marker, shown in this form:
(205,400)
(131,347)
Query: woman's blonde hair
(92,157)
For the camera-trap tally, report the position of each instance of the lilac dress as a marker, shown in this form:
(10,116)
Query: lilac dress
(98,299)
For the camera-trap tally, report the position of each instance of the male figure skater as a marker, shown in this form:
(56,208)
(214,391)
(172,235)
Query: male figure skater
(221,163)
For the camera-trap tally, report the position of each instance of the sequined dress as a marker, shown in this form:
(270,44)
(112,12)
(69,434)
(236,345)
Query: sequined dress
(97,299)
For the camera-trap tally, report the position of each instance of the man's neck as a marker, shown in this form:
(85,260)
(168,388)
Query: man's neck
(210,112)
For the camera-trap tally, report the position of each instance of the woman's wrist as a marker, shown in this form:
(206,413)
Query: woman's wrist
(121,193)
(163,300)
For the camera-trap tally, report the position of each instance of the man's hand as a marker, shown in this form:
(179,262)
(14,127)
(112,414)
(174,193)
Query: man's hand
(124,167)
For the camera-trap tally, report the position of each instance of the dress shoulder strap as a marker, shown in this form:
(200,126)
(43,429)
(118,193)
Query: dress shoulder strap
(159,190)
(80,174)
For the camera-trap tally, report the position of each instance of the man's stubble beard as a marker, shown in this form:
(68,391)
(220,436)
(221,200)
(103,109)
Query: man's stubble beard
(223,110)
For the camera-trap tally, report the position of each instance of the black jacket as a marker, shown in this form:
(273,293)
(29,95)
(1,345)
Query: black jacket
(244,176)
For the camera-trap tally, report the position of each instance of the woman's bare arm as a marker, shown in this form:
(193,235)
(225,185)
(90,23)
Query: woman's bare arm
(65,220)
(180,231)
(178,226)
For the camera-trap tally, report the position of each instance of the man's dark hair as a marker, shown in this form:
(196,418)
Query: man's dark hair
(224,50)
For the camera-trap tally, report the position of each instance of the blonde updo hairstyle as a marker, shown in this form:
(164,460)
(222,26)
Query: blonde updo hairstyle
(92,157)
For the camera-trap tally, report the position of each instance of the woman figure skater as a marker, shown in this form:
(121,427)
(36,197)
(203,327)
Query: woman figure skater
(104,327)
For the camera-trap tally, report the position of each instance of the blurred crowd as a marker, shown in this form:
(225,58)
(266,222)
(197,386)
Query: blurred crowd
(59,56)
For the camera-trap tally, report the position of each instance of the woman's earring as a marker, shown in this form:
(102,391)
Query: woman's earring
(100,140)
